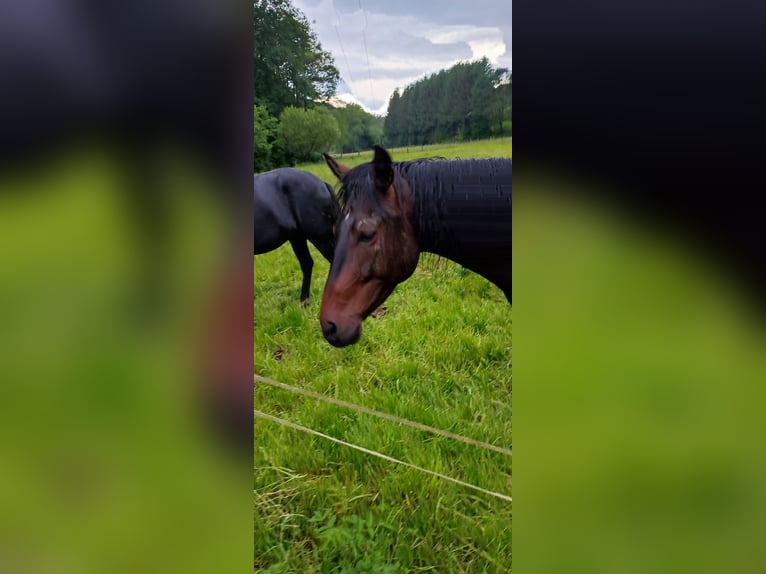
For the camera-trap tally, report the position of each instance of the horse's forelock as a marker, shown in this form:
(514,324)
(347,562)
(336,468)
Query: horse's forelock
(357,186)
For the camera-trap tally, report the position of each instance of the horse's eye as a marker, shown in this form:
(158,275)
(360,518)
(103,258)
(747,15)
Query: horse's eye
(364,237)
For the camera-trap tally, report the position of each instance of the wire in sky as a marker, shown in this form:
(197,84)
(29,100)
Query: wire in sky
(366,53)
(343,51)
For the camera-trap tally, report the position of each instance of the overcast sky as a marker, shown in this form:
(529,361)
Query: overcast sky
(405,40)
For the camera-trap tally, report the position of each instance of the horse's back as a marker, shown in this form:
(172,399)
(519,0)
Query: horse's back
(311,200)
(297,203)
(292,185)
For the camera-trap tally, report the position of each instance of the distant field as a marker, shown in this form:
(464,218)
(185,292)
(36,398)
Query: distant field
(501,147)
(440,355)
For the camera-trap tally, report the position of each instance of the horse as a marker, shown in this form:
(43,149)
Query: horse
(296,206)
(391,212)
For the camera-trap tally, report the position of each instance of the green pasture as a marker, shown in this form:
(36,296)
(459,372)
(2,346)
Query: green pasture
(641,421)
(439,354)
(500,147)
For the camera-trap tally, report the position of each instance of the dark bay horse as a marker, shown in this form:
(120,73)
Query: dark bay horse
(458,209)
(296,206)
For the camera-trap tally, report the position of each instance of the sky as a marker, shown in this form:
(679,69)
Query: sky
(381,45)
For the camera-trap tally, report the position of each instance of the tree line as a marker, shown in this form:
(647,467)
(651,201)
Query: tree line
(294,79)
(470,100)
(298,134)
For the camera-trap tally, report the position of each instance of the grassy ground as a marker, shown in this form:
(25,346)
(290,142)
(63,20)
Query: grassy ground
(440,355)
(501,147)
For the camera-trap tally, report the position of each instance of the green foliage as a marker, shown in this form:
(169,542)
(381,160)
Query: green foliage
(440,355)
(359,129)
(502,106)
(304,134)
(264,134)
(471,100)
(290,68)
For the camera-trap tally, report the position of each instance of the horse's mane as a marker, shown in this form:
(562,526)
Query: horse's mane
(461,208)
(453,186)
(432,176)
(357,184)
(335,200)
(439,186)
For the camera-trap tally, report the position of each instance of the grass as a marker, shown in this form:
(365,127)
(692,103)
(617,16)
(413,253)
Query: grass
(501,147)
(440,355)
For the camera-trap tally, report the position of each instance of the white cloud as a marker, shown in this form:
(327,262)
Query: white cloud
(483,41)
(400,48)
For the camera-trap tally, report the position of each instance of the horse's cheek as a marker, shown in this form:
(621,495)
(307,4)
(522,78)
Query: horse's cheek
(368,267)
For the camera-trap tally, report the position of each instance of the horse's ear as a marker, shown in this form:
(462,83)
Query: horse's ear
(383,168)
(338,169)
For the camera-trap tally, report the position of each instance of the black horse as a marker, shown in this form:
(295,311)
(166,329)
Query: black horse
(295,206)
(458,209)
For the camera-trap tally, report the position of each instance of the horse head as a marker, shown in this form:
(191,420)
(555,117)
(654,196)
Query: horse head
(376,245)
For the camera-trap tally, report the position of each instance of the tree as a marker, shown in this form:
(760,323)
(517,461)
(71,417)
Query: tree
(290,68)
(469,100)
(264,134)
(392,127)
(359,129)
(303,134)
(503,105)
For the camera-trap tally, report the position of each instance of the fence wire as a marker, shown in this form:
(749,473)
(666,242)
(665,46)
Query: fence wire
(307,430)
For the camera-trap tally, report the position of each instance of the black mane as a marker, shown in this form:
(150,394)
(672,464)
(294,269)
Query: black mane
(357,184)
(462,209)
(477,191)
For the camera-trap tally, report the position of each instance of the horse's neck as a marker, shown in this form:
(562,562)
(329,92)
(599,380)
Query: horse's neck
(468,225)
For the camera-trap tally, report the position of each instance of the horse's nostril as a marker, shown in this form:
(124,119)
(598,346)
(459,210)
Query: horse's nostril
(330,331)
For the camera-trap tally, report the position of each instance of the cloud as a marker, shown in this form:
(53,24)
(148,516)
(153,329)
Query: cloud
(388,44)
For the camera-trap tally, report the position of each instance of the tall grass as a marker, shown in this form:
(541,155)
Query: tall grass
(441,355)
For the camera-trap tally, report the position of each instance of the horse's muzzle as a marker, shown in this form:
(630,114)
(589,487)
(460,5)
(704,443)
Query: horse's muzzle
(343,335)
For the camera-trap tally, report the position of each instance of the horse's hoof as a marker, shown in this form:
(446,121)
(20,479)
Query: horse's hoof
(305,302)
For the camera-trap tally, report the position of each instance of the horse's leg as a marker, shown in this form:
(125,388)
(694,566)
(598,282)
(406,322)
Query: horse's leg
(301,249)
